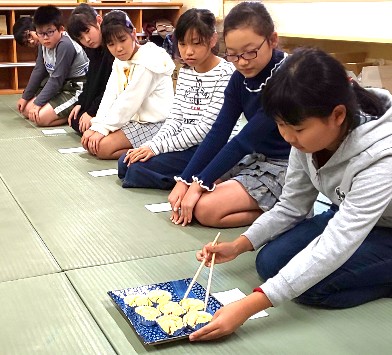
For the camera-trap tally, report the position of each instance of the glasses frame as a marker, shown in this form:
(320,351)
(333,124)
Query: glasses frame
(238,56)
(48,34)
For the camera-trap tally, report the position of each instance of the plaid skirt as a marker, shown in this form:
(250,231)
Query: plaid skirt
(262,178)
(139,133)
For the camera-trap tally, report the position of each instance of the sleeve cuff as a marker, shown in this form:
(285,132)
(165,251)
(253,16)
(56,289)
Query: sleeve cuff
(201,183)
(99,129)
(179,178)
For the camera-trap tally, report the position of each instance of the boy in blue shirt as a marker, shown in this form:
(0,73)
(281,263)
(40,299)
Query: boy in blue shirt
(63,63)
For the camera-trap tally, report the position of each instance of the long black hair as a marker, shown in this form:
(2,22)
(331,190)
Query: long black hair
(82,17)
(311,83)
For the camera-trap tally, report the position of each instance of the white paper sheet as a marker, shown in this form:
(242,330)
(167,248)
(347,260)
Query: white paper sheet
(159,207)
(54,131)
(72,150)
(106,172)
(226,297)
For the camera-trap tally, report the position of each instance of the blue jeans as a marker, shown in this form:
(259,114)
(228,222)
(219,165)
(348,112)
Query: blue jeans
(158,172)
(365,276)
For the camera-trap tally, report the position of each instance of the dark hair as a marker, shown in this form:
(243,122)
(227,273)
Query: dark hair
(82,17)
(311,83)
(48,14)
(20,29)
(249,14)
(201,21)
(114,24)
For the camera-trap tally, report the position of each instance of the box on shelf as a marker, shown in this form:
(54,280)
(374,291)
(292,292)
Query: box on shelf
(353,61)
(3,25)
(377,76)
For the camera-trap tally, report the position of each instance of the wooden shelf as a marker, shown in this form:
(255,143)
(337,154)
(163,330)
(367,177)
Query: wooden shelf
(16,62)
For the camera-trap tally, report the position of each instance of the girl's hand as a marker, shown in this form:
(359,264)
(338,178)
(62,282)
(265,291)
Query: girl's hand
(175,198)
(224,252)
(93,142)
(34,113)
(86,137)
(85,122)
(73,114)
(229,318)
(142,153)
(21,105)
(188,203)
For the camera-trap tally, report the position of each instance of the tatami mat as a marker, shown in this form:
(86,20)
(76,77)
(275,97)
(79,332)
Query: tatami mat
(56,217)
(290,329)
(44,315)
(22,252)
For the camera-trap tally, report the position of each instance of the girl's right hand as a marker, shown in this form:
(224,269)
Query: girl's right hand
(224,252)
(175,198)
(73,114)
(85,122)
(86,137)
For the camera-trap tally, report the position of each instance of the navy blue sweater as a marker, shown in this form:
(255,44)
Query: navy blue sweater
(215,156)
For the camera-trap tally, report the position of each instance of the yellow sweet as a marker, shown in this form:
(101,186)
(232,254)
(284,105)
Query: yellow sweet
(159,296)
(149,313)
(171,308)
(192,304)
(193,318)
(136,300)
(170,323)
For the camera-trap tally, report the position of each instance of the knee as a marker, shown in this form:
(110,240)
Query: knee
(267,263)
(206,215)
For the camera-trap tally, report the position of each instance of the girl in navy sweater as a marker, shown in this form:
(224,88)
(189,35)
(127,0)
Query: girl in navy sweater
(253,164)
(84,27)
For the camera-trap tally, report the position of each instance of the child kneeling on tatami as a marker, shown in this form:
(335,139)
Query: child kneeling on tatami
(63,63)
(138,95)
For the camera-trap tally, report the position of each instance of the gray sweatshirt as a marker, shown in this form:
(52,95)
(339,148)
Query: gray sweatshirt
(65,61)
(357,178)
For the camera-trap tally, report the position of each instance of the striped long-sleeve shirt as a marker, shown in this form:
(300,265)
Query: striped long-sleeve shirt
(197,102)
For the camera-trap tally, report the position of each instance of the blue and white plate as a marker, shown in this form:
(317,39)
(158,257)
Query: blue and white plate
(153,335)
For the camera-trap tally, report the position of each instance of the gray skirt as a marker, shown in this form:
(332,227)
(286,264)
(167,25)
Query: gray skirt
(262,178)
(139,133)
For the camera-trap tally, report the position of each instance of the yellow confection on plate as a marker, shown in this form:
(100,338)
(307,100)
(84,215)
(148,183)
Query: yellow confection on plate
(195,318)
(136,300)
(171,308)
(192,304)
(159,296)
(170,324)
(149,313)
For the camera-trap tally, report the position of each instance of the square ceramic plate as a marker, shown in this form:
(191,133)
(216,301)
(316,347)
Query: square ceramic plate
(153,335)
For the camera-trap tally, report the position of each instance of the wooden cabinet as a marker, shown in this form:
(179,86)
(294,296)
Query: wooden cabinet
(16,62)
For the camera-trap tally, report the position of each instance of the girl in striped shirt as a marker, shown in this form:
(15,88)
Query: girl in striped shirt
(197,102)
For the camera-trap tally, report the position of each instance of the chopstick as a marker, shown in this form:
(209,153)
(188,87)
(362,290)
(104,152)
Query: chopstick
(209,281)
(199,270)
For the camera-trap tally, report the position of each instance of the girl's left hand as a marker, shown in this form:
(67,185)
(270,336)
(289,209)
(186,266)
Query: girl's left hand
(34,113)
(142,153)
(86,137)
(188,203)
(226,321)
(93,142)
(229,318)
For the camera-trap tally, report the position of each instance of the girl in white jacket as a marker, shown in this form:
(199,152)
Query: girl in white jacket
(341,137)
(138,95)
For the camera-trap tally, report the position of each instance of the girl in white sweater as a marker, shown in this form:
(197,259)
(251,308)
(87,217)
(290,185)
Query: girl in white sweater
(138,95)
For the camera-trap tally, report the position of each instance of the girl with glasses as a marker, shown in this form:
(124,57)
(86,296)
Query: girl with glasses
(230,183)
(341,136)
(84,26)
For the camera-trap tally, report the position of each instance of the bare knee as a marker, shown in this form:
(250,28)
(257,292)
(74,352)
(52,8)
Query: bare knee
(206,214)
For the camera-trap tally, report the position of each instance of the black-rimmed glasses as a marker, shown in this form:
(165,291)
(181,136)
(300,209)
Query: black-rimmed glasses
(246,55)
(49,33)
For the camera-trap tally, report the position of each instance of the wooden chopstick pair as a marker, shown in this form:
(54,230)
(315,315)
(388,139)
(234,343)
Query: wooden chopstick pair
(209,275)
